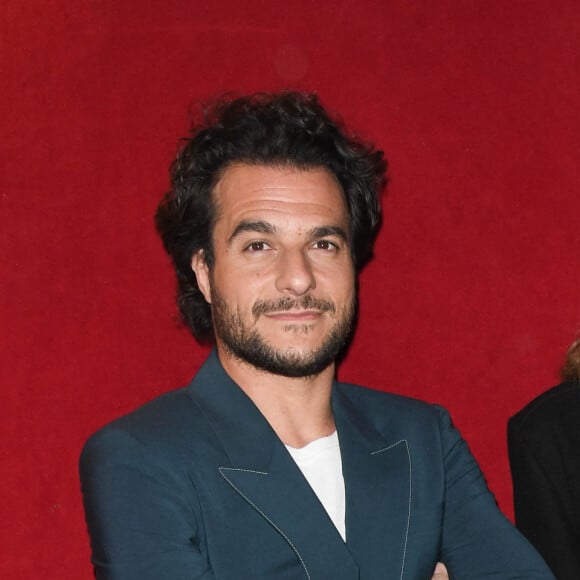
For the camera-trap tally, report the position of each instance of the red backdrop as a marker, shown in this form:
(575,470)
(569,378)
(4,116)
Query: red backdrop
(470,302)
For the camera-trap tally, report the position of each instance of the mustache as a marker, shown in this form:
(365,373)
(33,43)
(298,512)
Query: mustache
(306,302)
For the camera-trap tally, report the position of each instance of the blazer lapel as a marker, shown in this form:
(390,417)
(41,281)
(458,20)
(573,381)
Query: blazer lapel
(262,471)
(284,498)
(377,474)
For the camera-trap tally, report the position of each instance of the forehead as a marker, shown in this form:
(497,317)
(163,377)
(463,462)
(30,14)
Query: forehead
(250,191)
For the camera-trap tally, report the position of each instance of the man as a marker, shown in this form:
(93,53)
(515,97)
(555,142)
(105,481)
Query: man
(265,467)
(544,443)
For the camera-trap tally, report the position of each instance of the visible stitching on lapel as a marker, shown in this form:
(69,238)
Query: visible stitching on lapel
(389,447)
(410,495)
(221,470)
(240,469)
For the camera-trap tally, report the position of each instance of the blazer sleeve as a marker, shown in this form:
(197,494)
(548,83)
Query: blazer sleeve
(541,502)
(140,512)
(478,541)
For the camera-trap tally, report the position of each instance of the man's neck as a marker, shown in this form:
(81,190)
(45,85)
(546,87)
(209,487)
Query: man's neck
(298,409)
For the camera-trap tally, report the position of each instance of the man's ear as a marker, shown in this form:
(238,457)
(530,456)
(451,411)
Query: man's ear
(201,271)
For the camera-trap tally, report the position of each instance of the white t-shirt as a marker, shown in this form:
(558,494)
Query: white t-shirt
(321,465)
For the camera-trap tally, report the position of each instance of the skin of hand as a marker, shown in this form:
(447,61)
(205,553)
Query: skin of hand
(440,572)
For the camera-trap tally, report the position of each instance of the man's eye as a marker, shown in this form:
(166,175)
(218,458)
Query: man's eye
(325,245)
(257,247)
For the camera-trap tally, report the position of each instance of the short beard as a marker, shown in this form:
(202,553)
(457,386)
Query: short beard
(248,345)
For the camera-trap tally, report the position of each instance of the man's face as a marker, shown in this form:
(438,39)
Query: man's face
(282,287)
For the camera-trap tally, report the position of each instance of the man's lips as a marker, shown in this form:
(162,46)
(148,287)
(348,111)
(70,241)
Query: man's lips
(295,315)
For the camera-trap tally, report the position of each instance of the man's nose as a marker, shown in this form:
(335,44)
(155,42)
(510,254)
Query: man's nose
(295,274)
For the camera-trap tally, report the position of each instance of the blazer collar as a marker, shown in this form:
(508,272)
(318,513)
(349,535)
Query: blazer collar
(376,472)
(245,435)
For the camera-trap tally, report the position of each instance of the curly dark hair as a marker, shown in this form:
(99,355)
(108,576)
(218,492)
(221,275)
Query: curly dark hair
(282,129)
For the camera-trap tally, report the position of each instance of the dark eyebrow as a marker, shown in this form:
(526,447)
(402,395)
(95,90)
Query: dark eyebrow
(259,227)
(325,231)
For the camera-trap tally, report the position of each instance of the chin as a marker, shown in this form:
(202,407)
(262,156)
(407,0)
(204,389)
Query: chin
(298,348)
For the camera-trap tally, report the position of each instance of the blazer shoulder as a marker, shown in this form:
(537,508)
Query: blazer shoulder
(555,409)
(381,404)
(164,424)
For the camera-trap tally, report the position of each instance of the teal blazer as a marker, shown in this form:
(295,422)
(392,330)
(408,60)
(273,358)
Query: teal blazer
(196,485)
